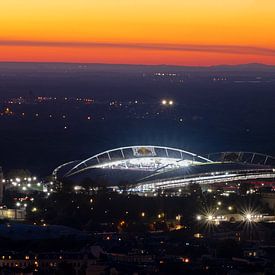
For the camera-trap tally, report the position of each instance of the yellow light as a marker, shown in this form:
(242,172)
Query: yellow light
(142,214)
(210,217)
(178,227)
(198,235)
(185,260)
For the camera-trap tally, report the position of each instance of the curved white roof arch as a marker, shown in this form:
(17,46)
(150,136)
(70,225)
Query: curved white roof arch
(138,153)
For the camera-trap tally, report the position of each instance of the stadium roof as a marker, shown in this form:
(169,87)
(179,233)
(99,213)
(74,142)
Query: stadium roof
(148,167)
(142,157)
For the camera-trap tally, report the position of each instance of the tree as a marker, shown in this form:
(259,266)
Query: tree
(19,173)
(66,185)
(194,189)
(243,188)
(87,184)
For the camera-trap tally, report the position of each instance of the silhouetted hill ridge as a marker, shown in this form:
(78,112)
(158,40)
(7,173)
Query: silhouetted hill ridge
(101,67)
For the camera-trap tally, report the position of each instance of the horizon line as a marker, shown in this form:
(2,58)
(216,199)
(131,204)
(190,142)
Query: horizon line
(137,64)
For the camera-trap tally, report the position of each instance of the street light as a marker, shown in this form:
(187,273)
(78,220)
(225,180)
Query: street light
(248,217)
(199,217)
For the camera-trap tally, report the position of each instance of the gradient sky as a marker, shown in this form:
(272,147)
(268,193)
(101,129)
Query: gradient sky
(185,32)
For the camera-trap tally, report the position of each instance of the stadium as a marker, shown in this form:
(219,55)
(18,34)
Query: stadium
(149,169)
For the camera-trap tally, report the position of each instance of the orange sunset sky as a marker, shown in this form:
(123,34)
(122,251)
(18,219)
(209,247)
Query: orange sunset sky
(182,32)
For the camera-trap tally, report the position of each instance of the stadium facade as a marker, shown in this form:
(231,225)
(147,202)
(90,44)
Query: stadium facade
(149,168)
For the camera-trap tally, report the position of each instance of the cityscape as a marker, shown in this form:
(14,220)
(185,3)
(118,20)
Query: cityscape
(137,137)
(80,195)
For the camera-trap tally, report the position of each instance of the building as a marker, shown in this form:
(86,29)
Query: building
(269,198)
(149,169)
(51,263)
(13,214)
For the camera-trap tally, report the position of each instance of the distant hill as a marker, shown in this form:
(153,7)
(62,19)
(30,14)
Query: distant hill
(93,67)
(244,67)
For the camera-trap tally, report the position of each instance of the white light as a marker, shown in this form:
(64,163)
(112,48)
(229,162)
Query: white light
(76,188)
(171,102)
(164,102)
(209,217)
(198,217)
(248,217)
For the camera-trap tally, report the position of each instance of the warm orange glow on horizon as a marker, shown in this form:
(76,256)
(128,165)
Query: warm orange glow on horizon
(207,25)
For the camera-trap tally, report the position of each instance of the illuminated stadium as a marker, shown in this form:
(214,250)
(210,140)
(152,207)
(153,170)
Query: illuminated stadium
(147,169)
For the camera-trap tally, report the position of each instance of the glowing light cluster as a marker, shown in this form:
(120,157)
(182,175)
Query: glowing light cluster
(166,102)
